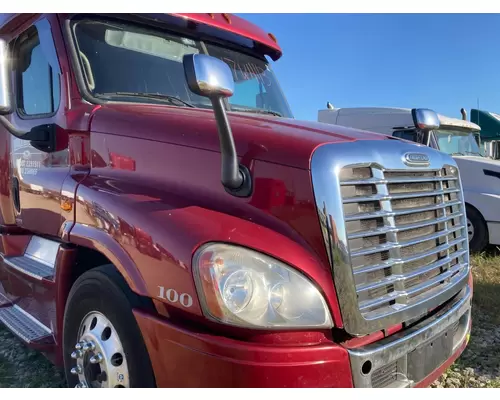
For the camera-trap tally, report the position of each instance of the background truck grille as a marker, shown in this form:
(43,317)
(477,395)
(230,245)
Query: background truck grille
(405,233)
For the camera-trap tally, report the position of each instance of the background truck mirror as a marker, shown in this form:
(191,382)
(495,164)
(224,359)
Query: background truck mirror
(493,149)
(425,119)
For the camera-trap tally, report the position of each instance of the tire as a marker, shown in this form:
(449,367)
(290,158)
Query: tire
(476,226)
(100,297)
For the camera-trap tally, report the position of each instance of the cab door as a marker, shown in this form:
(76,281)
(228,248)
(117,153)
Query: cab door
(39,98)
(36,176)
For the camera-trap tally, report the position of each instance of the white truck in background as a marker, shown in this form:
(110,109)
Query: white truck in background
(480,175)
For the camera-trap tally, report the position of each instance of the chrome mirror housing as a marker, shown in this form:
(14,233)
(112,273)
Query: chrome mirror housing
(208,76)
(493,149)
(425,119)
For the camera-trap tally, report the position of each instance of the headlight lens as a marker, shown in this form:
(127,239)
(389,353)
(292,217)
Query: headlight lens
(242,287)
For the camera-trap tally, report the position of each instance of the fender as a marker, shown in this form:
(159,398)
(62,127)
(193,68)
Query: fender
(96,239)
(154,250)
(486,203)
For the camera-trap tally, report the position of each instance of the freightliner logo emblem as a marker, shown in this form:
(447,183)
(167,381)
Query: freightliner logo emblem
(416,159)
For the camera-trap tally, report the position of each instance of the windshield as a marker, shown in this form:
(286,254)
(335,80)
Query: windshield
(457,142)
(125,63)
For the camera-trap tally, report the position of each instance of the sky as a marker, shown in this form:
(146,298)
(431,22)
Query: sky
(438,61)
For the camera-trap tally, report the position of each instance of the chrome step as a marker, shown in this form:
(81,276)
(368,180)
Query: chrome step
(39,259)
(24,325)
(30,267)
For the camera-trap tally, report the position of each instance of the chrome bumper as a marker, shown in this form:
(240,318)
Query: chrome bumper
(407,357)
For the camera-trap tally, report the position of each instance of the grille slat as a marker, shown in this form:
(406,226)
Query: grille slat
(405,232)
(375,181)
(404,278)
(389,246)
(388,229)
(399,196)
(386,214)
(389,264)
(415,289)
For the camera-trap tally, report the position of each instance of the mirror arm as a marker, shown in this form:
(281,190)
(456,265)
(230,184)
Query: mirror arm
(235,177)
(11,128)
(212,78)
(41,137)
(231,177)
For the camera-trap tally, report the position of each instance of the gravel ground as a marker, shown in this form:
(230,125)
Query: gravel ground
(21,367)
(479,365)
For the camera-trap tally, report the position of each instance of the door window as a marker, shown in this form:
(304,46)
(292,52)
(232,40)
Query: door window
(38,83)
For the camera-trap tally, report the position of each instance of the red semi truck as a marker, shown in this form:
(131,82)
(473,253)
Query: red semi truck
(166,222)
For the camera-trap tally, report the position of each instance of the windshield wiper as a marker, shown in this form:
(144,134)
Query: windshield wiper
(457,154)
(256,111)
(158,96)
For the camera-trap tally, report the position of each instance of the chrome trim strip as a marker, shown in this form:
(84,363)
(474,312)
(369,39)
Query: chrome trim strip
(399,345)
(326,164)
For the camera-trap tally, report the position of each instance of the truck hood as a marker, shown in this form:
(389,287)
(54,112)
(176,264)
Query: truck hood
(479,174)
(257,137)
(478,160)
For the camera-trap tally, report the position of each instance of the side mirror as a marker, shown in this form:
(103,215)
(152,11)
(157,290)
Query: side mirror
(42,137)
(425,119)
(5,94)
(210,77)
(493,149)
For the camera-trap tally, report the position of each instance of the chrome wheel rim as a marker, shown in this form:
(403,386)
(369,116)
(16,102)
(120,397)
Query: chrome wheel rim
(99,354)
(470,229)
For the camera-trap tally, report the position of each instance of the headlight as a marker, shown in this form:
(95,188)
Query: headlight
(245,288)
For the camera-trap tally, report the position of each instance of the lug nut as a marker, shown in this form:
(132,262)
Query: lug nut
(81,385)
(76,370)
(89,346)
(76,354)
(79,345)
(96,359)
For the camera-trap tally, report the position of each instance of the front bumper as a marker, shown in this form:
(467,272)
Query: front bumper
(413,357)
(409,357)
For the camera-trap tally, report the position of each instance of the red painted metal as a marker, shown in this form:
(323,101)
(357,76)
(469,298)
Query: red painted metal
(280,141)
(64,270)
(181,207)
(215,361)
(236,25)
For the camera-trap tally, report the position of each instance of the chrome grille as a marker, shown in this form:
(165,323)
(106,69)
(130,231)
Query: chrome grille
(405,233)
(396,234)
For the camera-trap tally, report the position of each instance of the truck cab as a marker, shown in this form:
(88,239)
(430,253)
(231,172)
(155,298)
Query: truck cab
(490,130)
(456,137)
(166,222)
